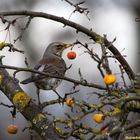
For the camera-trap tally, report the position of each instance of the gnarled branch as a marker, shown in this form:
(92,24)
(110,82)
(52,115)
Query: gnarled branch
(79,28)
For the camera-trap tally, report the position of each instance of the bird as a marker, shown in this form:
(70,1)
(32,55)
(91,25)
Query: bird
(51,63)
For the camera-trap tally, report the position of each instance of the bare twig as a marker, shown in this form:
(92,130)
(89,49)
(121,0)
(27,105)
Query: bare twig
(49,75)
(137,19)
(26,62)
(78,8)
(11,47)
(23,29)
(6,105)
(135,124)
(122,75)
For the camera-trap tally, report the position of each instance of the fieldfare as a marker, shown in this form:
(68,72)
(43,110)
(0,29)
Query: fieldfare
(51,63)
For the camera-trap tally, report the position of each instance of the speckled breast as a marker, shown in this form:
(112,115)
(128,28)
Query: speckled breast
(48,84)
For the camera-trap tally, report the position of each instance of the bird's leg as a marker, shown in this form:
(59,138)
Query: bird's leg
(57,94)
(38,91)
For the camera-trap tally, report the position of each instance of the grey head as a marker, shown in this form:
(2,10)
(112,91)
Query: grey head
(56,48)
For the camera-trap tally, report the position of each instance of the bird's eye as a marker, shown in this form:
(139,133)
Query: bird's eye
(59,47)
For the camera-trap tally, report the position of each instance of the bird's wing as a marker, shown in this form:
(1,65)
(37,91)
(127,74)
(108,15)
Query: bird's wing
(54,67)
(33,78)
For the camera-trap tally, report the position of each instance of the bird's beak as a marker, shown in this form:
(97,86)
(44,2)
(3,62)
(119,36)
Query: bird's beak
(67,46)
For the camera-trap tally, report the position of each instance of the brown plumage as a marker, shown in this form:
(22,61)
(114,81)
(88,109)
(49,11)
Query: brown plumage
(51,63)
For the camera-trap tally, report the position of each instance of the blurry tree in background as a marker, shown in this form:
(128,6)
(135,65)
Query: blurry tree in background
(93,107)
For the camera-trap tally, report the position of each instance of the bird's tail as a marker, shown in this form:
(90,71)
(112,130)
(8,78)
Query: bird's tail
(27,81)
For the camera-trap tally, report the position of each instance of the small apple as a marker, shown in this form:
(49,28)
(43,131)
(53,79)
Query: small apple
(110,79)
(71,55)
(12,129)
(98,118)
(69,102)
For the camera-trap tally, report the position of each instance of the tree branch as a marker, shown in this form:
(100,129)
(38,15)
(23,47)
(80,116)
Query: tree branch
(128,127)
(27,107)
(53,76)
(79,28)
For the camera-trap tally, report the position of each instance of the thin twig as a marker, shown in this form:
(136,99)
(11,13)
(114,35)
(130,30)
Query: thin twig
(18,69)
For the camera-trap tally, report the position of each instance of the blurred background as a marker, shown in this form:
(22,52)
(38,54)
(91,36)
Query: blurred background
(110,17)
